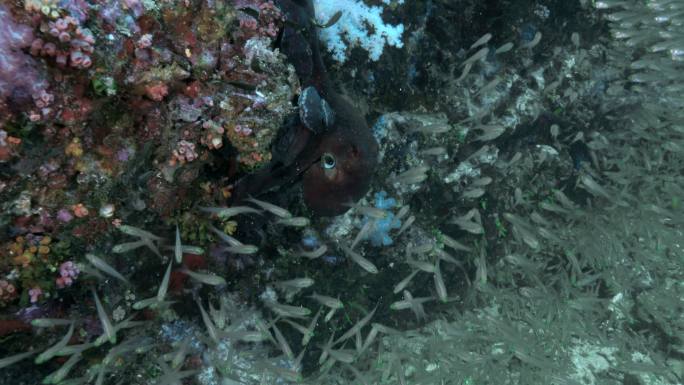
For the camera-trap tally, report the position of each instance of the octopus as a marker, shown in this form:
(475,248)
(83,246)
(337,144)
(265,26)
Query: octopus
(327,144)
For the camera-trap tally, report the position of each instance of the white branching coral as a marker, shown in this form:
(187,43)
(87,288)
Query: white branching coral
(359,25)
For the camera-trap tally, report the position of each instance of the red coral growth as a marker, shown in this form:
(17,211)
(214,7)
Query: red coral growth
(178,278)
(10,326)
(156,91)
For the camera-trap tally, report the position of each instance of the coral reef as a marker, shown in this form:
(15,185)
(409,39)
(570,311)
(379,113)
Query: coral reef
(523,225)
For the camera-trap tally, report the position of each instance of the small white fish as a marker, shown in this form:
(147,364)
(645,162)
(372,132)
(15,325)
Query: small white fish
(284,346)
(414,304)
(534,42)
(422,265)
(58,375)
(186,249)
(363,233)
(301,329)
(310,330)
(446,257)
(504,48)
(554,208)
(403,211)
(127,246)
(52,350)
(564,200)
(330,302)
(407,224)
(288,310)
(360,260)
(454,244)
(178,249)
(143,303)
(50,322)
(179,355)
(482,53)
(482,40)
(434,151)
(241,249)
(594,188)
(170,376)
(7,361)
(137,232)
(414,175)
(211,329)
(548,234)
(523,230)
(329,315)
(248,336)
(164,287)
(103,266)
(107,326)
(538,219)
(421,249)
(271,208)
(227,212)
(434,128)
(318,252)
(296,283)
(225,237)
(404,282)
(473,193)
(385,329)
(575,39)
(372,335)
(465,72)
(440,287)
(208,279)
(342,355)
(356,328)
(74,349)
(294,221)
(369,211)
(489,86)
(468,225)
(489,132)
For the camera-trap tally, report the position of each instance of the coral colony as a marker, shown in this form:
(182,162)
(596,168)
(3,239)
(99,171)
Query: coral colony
(191,192)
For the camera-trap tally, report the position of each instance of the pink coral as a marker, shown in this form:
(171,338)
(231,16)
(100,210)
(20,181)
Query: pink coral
(34,293)
(21,82)
(156,91)
(184,152)
(7,292)
(67,41)
(68,272)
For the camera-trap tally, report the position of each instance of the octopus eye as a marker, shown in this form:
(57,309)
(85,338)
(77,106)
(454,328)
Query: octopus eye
(328,161)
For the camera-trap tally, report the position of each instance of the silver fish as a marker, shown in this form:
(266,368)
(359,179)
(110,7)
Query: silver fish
(318,252)
(330,302)
(107,326)
(52,351)
(164,287)
(270,207)
(288,310)
(227,212)
(360,260)
(294,221)
(50,322)
(296,283)
(137,232)
(208,279)
(7,361)
(103,266)
(241,249)
(482,40)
